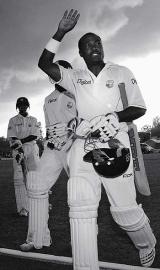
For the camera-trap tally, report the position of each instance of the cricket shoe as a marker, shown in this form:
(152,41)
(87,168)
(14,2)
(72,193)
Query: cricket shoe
(147,256)
(23,213)
(26,247)
(50,207)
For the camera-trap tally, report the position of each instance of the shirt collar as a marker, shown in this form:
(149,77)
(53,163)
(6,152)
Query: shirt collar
(21,116)
(107,65)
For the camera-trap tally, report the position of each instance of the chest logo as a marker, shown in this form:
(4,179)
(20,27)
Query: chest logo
(110,83)
(81,81)
(133,81)
(69,105)
(52,100)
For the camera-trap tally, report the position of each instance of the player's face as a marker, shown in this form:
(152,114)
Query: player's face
(92,50)
(23,109)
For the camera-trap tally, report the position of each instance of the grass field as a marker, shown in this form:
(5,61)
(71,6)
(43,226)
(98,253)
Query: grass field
(114,245)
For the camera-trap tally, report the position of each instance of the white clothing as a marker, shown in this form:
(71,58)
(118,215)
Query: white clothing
(58,108)
(98,96)
(22,127)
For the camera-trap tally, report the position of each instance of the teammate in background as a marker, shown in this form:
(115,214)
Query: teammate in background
(59,110)
(22,134)
(99,103)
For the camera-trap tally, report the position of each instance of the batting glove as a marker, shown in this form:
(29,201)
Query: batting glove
(57,143)
(19,156)
(105,127)
(16,144)
(83,129)
(57,130)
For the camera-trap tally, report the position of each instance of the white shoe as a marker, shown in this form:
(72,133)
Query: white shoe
(27,247)
(147,257)
(50,207)
(23,213)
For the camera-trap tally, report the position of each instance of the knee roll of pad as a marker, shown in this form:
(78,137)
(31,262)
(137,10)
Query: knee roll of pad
(83,212)
(18,182)
(36,185)
(129,219)
(18,174)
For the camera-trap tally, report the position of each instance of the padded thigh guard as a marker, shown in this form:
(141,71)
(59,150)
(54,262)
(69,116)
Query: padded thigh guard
(135,222)
(83,202)
(38,231)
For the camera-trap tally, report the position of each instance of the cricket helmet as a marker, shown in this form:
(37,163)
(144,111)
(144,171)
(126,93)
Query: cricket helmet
(108,162)
(22,101)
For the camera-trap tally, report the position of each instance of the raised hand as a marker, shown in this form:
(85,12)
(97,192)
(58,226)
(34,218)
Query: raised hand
(68,21)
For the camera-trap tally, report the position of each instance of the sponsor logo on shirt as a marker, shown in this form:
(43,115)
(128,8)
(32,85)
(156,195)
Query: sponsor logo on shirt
(69,105)
(81,81)
(133,81)
(110,83)
(52,100)
(127,175)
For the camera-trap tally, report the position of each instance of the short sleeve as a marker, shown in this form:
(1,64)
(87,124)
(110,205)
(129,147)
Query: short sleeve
(11,130)
(132,89)
(67,79)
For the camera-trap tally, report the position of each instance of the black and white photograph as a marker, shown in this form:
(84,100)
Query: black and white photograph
(79,135)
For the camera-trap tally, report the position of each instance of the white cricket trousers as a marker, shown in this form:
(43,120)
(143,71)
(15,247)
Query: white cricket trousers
(84,193)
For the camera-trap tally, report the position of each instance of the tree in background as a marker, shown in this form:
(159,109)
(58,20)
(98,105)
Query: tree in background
(156,122)
(5,150)
(146,128)
(152,131)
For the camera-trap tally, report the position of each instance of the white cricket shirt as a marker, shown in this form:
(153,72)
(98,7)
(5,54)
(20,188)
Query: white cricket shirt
(22,127)
(100,95)
(59,107)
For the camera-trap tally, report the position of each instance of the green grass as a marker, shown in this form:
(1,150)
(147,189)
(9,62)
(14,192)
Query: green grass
(113,243)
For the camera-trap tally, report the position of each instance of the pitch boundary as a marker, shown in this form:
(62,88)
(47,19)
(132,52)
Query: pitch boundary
(66,260)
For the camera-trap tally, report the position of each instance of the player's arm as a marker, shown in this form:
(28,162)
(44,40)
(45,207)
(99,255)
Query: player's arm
(131,96)
(14,142)
(67,23)
(34,132)
(131,113)
(28,139)
(11,130)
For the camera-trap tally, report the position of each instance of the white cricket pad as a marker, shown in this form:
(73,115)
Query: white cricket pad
(38,231)
(135,222)
(84,243)
(143,238)
(21,195)
(83,202)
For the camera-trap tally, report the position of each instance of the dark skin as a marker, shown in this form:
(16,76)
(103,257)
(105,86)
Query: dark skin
(93,55)
(23,111)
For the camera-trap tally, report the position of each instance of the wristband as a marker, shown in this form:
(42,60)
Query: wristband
(52,45)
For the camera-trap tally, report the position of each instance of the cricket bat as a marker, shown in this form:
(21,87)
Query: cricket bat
(140,176)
